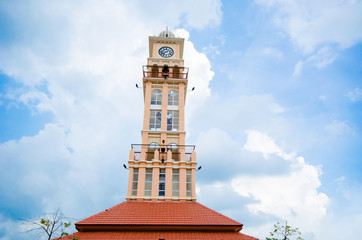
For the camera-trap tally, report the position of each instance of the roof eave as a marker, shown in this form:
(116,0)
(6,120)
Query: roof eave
(115,227)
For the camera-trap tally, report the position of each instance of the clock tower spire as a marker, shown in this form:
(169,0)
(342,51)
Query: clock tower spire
(163,167)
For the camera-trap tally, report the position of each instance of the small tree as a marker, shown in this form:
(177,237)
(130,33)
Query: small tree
(284,231)
(52,225)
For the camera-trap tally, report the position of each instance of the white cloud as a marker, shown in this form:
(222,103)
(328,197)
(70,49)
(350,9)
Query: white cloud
(338,128)
(260,142)
(272,52)
(311,24)
(298,69)
(293,196)
(355,95)
(318,28)
(200,74)
(80,62)
(189,13)
(269,182)
(211,50)
(323,57)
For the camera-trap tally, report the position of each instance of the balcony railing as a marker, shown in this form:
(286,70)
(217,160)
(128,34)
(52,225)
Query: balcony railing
(151,71)
(176,152)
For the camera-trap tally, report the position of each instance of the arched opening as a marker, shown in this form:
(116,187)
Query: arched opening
(174,149)
(151,150)
(165,71)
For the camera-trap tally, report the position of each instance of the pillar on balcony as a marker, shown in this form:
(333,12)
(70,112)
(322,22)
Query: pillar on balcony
(131,155)
(156,155)
(193,156)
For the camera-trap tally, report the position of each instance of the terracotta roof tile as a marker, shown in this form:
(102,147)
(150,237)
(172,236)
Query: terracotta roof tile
(160,214)
(132,235)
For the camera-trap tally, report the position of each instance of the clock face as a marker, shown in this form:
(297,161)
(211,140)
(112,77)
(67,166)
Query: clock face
(165,52)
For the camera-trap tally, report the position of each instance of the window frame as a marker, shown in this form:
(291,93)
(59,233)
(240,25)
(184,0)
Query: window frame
(188,183)
(162,183)
(173,119)
(135,181)
(155,120)
(148,182)
(175,182)
(156,97)
(172,100)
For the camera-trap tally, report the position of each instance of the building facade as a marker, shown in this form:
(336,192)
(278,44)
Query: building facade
(161,199)
(163,167)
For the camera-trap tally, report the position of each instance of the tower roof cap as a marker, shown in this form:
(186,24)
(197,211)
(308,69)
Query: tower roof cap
(167,33)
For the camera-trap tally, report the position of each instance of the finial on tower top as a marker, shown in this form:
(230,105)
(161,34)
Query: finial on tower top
(166,33)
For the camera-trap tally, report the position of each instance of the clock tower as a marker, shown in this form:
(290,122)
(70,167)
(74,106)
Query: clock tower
(161,202)
(163,167)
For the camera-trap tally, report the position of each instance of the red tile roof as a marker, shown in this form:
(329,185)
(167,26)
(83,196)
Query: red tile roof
(132,235)
(166,213)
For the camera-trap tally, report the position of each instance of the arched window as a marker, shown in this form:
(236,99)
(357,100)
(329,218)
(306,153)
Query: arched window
(172,97)
(156,97)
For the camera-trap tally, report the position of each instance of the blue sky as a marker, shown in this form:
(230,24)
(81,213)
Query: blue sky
(275,117)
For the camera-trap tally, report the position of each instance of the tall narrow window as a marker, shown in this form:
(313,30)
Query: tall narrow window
(135,181)
(188,183)
(172,97)
(148,182)
(161,186)
(156,97)
(155,119)
(172,120)
(175,182)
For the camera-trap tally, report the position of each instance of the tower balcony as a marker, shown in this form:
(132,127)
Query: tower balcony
(171,152)
(155,71)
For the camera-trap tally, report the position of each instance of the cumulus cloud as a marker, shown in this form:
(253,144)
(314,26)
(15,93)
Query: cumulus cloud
(200,74)
(264,183)
(293,195)
(80,61)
